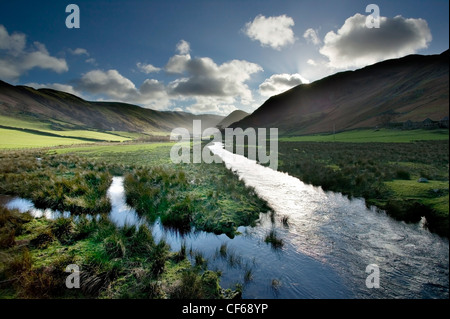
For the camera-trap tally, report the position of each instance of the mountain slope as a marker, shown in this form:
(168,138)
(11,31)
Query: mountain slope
(410,88)
(66,111)
(232,117)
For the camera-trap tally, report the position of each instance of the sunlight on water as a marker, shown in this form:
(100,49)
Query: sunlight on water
(346,235)
(121,214)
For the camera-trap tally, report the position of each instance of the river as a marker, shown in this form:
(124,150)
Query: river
(328,242)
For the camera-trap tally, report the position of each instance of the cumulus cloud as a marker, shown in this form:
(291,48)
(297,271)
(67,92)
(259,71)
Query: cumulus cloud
(203,77)
(279,83)
(355,45)
(115,86)
(312,36)
(201,85)
(110,83)
(177,63)
(14,44)
(147,68)
(16,60)
(213,87)
(210,105)
(183,47)
(274,32)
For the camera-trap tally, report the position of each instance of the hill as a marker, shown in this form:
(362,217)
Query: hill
(412,88)
(63,111)
(232,117)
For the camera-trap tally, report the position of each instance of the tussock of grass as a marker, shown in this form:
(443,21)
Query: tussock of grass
(273,240)
(114,262)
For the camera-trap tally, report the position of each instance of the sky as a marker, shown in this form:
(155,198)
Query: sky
(206,56)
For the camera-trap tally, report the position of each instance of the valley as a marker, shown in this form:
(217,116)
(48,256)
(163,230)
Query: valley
(374,191)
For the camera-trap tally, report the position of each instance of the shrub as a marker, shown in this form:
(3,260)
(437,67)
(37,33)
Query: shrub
(402,174)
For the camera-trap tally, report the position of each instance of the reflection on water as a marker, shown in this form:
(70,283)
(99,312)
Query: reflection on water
(121,214)
(25,205)
(347,236)
(327,243)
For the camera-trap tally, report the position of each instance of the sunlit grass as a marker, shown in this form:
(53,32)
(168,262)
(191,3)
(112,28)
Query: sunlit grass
(14,139)
(366,136)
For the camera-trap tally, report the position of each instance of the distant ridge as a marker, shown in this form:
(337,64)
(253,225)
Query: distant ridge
(231,118)
(412,88)
(67,111)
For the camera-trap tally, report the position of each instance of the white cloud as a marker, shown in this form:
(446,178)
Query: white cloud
(312,36)
(275,32)
(311,62)
(147,68)
(91,61)
(204,78)
(177,63)
(79,51)
(16,60)
(14,44)
(183,47)
(113,85)
(110,83)
(56,86)
(210,105)
(213,88)
(279,83)
(355,45)
(201,85)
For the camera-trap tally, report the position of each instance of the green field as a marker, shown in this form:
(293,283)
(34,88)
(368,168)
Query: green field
(14,139)
(433,194)
(44,129)
(372,136)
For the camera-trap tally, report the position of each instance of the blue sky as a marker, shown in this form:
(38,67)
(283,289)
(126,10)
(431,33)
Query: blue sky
(206,56)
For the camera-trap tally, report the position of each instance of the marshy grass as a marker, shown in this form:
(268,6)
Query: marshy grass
(272,239)
(114,262)
(285,221)
(367,169)
(248,275)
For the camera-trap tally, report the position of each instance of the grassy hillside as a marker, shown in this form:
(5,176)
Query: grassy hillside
(410,88)
(63,111)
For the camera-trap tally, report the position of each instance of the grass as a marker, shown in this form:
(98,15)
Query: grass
(273,240)
(14,139)
(385,174)
(40,128)
(371,136)
(62,183)
(113,262)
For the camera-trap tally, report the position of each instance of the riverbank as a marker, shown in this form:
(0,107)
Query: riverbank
(113,262)
(207,197)
(384,174)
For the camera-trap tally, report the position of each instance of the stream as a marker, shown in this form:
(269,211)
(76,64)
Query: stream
(328,242)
